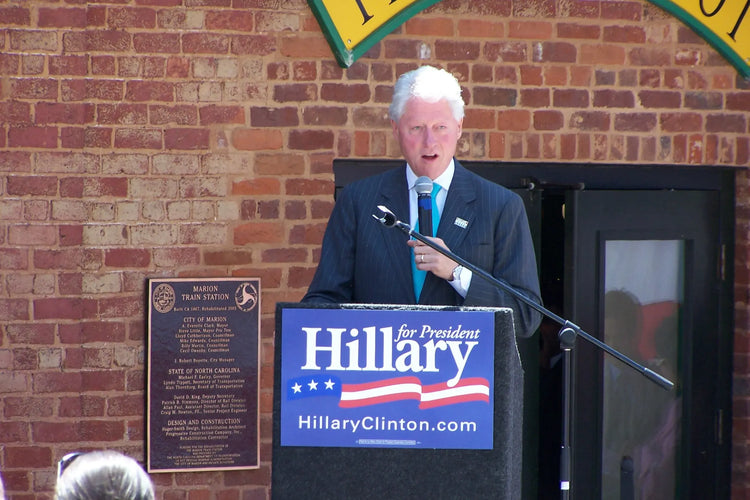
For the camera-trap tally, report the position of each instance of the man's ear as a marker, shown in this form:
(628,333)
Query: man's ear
(394,128)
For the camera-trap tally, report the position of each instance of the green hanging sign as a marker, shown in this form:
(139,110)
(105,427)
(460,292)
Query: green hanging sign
(352,27)
(722,23)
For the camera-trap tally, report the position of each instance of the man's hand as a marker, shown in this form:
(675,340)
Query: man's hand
(429,259)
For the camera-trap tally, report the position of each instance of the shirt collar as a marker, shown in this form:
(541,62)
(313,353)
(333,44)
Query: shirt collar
(443,179)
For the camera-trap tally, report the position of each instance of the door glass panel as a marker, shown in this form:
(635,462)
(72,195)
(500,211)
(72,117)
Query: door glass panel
(641,422)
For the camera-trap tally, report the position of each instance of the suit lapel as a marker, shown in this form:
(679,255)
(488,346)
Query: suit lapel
(395,196)
(460,209)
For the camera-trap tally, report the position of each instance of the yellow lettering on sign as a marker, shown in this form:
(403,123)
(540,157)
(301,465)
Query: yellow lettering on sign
(355,20)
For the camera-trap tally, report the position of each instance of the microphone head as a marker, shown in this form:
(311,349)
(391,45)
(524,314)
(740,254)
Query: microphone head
(423,185)
(388,218)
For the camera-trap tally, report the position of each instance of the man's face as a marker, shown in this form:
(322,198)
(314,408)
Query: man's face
(427,133)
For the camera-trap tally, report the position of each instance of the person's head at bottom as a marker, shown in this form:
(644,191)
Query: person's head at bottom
(100,475)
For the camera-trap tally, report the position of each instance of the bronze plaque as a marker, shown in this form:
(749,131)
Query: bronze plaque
(203,374)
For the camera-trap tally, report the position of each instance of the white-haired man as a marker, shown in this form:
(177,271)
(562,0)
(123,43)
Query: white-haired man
(482,222)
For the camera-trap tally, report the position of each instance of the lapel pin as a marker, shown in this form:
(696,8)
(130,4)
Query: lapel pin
(461,222)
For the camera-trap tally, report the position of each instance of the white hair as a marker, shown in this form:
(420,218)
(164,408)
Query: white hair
(429,84)
(104,475)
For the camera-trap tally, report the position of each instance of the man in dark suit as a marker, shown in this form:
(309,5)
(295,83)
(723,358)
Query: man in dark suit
(363,262)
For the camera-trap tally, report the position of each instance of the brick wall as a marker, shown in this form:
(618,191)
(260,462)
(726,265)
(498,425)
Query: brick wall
(159,138)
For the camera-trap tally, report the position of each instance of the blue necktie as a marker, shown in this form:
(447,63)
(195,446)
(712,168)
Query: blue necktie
(419,276)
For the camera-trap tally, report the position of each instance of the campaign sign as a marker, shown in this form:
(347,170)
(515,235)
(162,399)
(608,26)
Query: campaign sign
(387,378)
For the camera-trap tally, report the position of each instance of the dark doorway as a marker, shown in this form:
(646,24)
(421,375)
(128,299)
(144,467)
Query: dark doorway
(583,217)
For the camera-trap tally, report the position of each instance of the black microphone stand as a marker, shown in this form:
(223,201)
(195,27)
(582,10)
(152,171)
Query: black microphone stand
(567,335)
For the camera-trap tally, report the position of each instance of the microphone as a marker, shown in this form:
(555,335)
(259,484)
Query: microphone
(423,186)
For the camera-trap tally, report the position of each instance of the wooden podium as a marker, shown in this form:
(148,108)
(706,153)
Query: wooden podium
(343,472)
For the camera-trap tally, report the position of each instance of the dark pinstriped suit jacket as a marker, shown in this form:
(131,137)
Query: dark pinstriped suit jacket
(364,262)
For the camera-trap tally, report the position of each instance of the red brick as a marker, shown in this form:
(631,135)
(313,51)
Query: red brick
(704,100)
(738,101)
(307,187)
(82,406)
(279,164)
(27,407)
(494,96)
(650,56)
(28,234)
(123,406)
(570,98)
(580,31)
(610,54)
(214,114)
(401,49)
(103,380)
(64,113)
(635,122)
(14,309)
(731,123)
(453,50)
(40,333)
(508,52)
(273,117)
(558,52)
(256,139)
(535,30)
(127,257)
(343,93)
(62,18)
(205,43)
(138,139)
(33,88)
(107,41)
(258,233)
(235,20)
(257,186)
(181,114)
(548,120)
(613,99)
(178,67)
(31,186)
(295,92)
(227,258)
(186,138)
(310,139)
(68,65)
(64,308)
(338,116)
(590,120)
(139,17)
(15,16)
(27,457)
(681,122)
(253,45)
(149,91)
(624,34)
(628,11)
(659,99)
(306,47)
(160,43)
(14,258)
